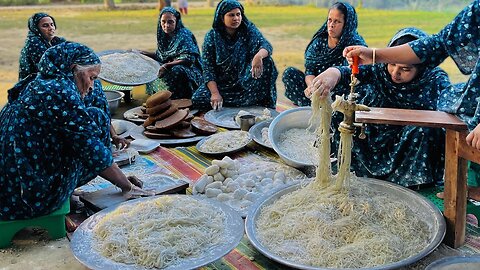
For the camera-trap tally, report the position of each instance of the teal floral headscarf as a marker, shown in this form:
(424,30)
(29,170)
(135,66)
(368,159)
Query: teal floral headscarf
(35,46)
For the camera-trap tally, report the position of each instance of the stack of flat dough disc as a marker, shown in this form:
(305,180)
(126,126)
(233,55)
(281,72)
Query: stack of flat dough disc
(170,118)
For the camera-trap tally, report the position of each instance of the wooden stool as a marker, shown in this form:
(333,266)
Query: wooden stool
(457,152)
(54,223)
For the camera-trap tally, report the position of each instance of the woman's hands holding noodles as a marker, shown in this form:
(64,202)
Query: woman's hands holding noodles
(323,83)
(136,189)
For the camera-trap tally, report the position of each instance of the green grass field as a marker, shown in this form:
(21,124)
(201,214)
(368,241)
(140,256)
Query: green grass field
(288,28)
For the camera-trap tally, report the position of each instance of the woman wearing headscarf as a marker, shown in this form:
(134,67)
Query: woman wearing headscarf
(41,36)
(406,155)
(460,39)
(238,67)
(178,54)
(324,51)
(50,142)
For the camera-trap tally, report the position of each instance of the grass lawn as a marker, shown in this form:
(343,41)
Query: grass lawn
(288,28)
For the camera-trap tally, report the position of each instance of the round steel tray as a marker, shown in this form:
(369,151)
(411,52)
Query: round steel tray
(231,151)
(83,251)
(256,133)
(226,116)
(456,262)
(423,207)
(150,78)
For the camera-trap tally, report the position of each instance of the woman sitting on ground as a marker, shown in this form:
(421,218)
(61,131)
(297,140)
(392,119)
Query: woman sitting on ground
(50,142)
(179,56)
(41,36)
(406,155)
(237,62)
(324,51)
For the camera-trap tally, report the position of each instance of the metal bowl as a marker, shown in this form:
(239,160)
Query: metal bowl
(113,98)
(425,209)
(199,145)
(256,133)
(456,262)
(293,118)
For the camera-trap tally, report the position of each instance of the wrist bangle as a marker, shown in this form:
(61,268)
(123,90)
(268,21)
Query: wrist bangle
(163,66)
(373,55)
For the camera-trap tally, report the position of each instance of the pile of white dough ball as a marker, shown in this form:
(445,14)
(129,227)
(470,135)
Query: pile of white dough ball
(239,183)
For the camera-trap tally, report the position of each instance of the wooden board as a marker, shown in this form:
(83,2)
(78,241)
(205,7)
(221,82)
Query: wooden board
(111,196)
(404,117)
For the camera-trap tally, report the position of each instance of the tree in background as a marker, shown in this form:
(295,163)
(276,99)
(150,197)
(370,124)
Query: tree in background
(109,4)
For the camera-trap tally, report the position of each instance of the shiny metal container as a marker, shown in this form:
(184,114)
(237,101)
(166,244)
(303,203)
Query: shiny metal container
(420,205)
(113,97)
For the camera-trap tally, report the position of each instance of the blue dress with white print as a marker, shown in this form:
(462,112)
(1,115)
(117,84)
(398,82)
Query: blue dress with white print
(405,155)
(319,57)
(460,39)
(183,79)
(228,61)
(50,143)
(35,46)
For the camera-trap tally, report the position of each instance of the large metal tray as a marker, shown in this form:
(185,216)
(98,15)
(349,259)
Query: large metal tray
(149,78)
(423,207)
(83,251)
(256,133)
(456,262)
(226,116)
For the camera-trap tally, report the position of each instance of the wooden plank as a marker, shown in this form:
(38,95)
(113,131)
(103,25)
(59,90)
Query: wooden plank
(455,200)
(111,196)
(405,117)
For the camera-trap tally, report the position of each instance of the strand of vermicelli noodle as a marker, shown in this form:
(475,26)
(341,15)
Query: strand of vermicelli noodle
(158,233)
(322,114)
(334,227)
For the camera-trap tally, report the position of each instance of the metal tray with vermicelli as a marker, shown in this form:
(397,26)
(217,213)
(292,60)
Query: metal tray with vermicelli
(127,68)
(83,244)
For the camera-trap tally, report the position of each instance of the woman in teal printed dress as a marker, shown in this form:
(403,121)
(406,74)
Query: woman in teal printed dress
(178,54)
(324,51)
(460,39)
(238,69)
(406,155)
(41,36)
(50,142)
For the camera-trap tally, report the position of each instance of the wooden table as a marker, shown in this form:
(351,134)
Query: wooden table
(457,152)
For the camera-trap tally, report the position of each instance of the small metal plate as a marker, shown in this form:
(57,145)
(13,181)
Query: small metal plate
(256,133)
(82,241)
(425,209)
(122,127)
(148,78)
(231,151)
(226,116)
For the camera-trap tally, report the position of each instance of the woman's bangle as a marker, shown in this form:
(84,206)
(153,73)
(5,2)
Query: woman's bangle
(373,55)
(164,66)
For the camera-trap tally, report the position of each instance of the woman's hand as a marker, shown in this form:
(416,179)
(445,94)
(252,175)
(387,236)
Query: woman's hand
(136,190)
(216,101)
(365,55)
(119,142)
(162,71)
(473,138)
(323,83)
(257,66)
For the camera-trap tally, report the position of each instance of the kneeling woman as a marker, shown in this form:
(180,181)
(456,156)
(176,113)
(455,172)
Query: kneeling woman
(409,156)
(50,143)
(237,63)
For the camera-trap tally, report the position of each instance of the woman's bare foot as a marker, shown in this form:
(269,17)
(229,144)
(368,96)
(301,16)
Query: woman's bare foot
(472,193)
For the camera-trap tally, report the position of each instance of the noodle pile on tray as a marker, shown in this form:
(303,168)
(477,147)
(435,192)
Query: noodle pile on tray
(336,221)
(160,232)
